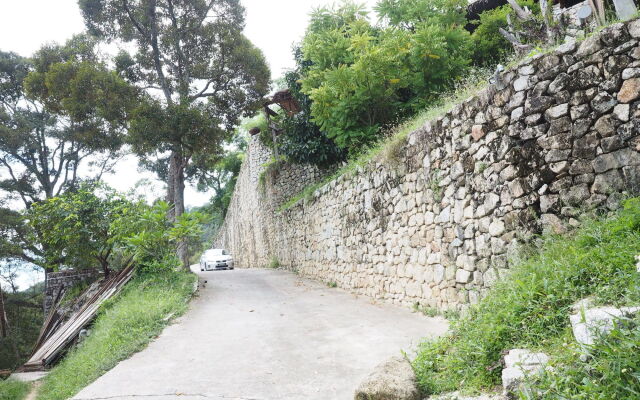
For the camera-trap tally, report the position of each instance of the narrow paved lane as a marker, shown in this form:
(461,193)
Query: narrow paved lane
(266,335)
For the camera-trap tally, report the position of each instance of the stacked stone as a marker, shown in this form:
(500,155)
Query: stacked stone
(57,282)
(557,134)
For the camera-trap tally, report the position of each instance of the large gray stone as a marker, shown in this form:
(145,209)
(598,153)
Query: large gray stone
(618,159)
(519,365)
(589,46)
(589,324)
(602,103)
(394,379)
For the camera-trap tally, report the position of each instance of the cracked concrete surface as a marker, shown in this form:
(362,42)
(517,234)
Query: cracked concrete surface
(263,335)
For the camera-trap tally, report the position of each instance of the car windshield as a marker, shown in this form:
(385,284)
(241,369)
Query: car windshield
(216,252)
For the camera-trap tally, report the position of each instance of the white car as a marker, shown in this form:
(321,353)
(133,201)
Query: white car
(215,259)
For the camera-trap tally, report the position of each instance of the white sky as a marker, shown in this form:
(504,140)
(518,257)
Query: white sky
(272,25)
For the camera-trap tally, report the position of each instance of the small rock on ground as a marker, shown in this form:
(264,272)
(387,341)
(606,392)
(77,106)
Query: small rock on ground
(589,324)
(520,363)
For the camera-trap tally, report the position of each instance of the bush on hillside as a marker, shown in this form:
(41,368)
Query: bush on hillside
(530,308)
(362,77)
(489,46)
(95,225)
(302,141)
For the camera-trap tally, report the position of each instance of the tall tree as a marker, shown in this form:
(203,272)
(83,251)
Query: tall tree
(58,110)
(207,74)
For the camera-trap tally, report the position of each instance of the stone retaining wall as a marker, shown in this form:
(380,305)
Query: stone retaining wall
(437,224)
(55,281)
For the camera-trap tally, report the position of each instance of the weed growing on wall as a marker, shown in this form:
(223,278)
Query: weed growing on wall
(274,263)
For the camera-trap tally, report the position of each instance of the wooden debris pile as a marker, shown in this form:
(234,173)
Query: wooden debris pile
(57,334)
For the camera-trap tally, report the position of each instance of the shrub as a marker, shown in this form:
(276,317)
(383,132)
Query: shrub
(362,77)
(489,46)
(530,307)
(94,225)
(274,263)
(302,141)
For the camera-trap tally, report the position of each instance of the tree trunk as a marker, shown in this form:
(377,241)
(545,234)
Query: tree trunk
(171,185)
(175,194)
(105,268)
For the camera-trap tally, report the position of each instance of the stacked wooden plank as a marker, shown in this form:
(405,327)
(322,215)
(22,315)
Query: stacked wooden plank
(57,335)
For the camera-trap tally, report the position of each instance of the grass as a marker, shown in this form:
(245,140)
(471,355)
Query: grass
(274,263)
(434,312)
(332,284)
(125,325)
(14,390)
(269,168)
(530,307)
(611,372)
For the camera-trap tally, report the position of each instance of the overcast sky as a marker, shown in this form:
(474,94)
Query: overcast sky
(272,25)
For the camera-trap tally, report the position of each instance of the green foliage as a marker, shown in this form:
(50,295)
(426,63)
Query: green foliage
(302,141)
(96,225)
(361,78)
(426,310)
(145,235)
(529,308)
(389,147)
(72,293)
(25,315)
(489,46)
(14,390)
(332,284)
(124,326)
(75,228)
(210,75)
(274,263)
(611,371)
(80,87)
(59,111)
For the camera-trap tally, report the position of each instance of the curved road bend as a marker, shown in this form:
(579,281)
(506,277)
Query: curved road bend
(266,335)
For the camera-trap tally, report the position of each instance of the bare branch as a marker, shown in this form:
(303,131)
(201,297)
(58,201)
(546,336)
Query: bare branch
(522,14)
(514,41)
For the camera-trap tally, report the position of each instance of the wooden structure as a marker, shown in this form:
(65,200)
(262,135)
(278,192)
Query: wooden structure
(56,334)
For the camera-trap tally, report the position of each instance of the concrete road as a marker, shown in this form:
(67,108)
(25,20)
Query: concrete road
(265,335)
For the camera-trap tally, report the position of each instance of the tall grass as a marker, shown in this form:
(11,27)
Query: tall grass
(125,325)
(530,308)
(14,390)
